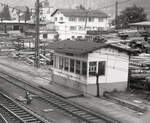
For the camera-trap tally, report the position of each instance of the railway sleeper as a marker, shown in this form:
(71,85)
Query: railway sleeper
(15,110)
(19,111)
(81,113)
(37,122)
(12,107)
(27,117)
(58,102)
(91,118)
(73,109)
(31,120)
(77,112)
(24,115)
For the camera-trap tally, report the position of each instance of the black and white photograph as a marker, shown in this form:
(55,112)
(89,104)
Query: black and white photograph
(74,61)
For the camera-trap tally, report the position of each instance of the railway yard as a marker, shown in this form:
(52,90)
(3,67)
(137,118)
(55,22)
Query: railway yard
(55,103)
(52,103)
(76,61)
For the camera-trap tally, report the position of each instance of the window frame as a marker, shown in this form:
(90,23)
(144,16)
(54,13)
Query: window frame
(73,28)
(84,68)
(72,66)
(66,64)
(72,19)
(90,19)
(45,35)
(100,19)
(92,68)
(102,68)
(82,19)
(78,70)
(61,65)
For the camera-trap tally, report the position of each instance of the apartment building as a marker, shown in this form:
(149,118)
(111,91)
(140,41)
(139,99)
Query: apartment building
(73,23)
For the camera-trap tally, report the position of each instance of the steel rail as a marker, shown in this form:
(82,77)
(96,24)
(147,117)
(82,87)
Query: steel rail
(68,106)
(18,111)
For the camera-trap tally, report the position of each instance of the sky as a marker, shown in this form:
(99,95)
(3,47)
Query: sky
(94,4)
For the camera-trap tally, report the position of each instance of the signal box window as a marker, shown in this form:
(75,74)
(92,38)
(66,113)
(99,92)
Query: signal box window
(84,68)
(72,65)
(66,64)
(45,36)
(61,62)
(77,67)
(16,27)
(92,68)
(101,67)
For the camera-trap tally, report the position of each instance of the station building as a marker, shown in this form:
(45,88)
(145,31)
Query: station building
(76,63)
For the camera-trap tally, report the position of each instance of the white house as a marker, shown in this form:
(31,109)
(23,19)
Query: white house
(18,15)
(76,63)
(71,23)
(45,12)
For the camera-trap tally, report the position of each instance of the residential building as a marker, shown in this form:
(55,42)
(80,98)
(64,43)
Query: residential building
(13,27)
(141,26)
(18,15)
(76,63)
(9,26)
(72,23)
(45,12)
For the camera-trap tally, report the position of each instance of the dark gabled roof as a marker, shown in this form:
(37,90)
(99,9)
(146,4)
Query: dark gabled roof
(81,13)
(81,47)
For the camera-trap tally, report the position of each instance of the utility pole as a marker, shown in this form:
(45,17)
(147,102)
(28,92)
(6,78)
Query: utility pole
(86,19)
(37,35)
(97,84)
(116,14)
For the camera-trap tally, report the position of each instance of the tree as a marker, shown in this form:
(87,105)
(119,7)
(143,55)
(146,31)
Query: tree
(27,14)
(5,13)
(80,7)
(131,15)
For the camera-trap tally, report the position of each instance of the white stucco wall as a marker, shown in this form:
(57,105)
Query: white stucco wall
(116,69)
(63,27)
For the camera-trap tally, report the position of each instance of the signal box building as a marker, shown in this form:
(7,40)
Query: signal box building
(76,63)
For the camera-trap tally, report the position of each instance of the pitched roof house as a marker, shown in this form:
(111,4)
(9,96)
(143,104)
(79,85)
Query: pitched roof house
(75,22)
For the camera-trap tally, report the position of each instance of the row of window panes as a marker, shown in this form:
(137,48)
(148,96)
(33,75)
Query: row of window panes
(93,68)
(75,28)
(82,19)
(81,28)
(74,65)
(61,19)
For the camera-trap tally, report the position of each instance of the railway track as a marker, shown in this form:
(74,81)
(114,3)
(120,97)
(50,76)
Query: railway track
(9,115)
(15,113)
(75,110)
(2,119)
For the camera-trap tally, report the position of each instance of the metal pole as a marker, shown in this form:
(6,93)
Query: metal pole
(116,14)
(37,35)
(97,84)
(86,19)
